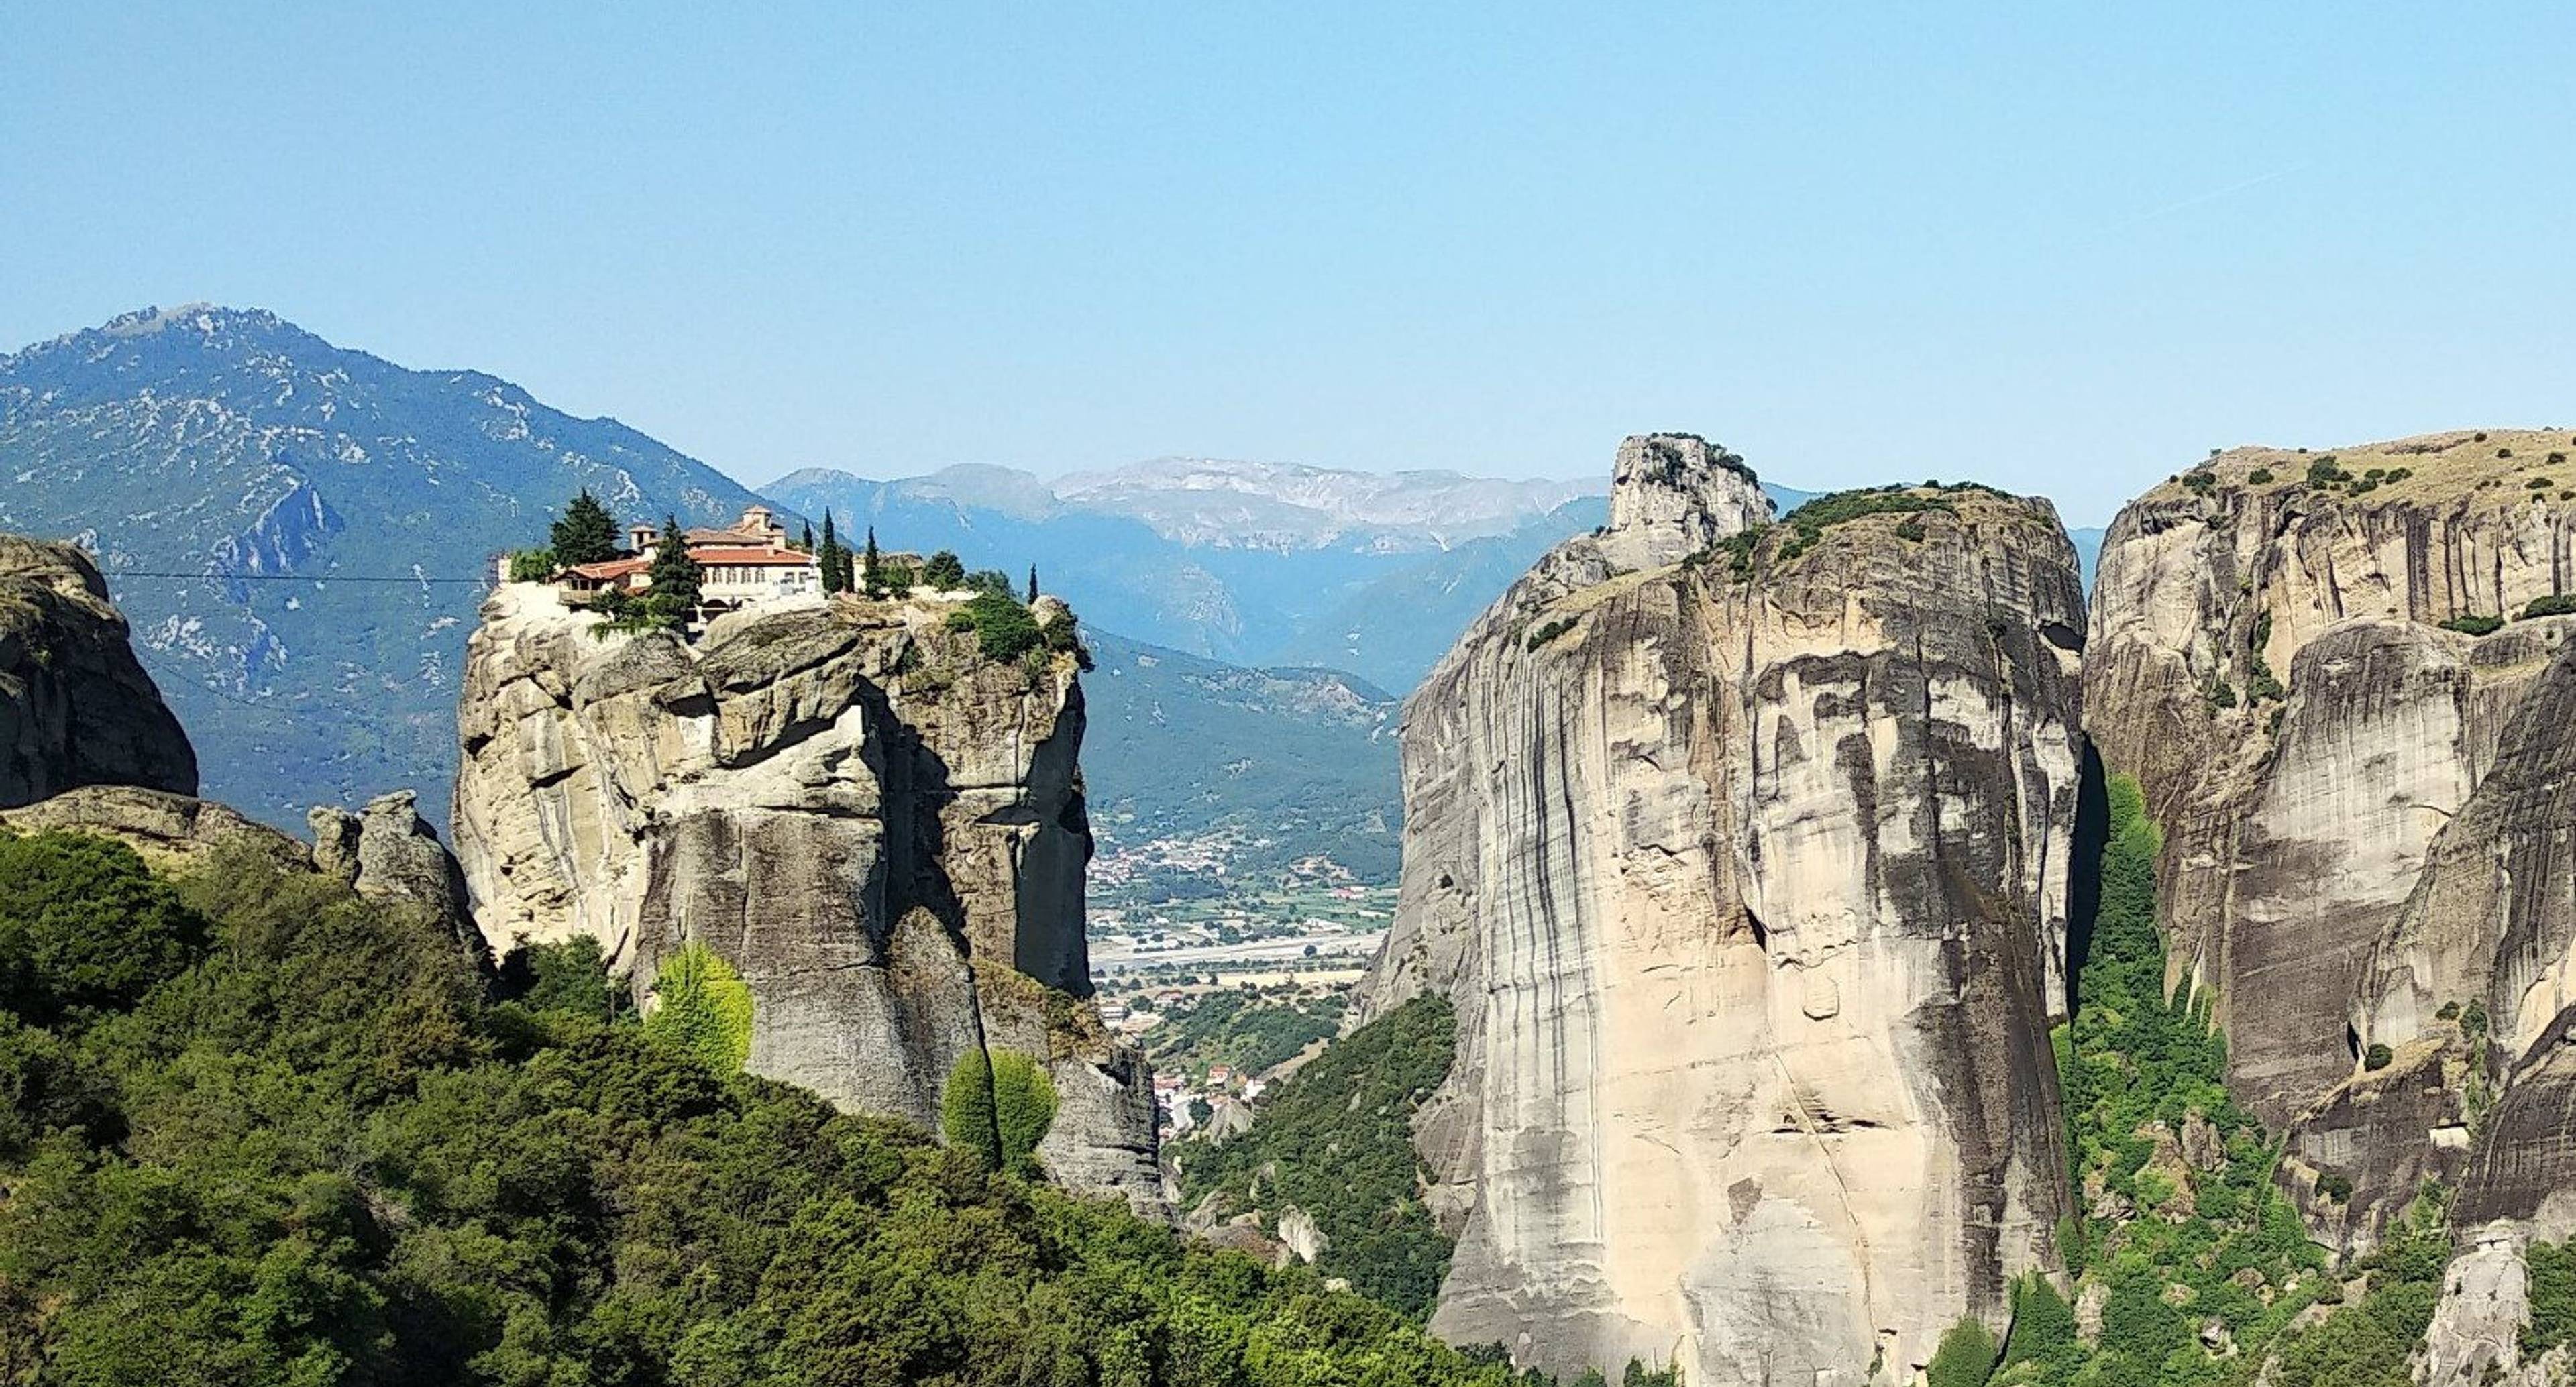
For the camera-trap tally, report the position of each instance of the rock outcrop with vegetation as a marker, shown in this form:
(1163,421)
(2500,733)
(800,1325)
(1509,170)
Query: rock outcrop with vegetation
(76,707)
(862,809)
(1742,852)
(2347,687)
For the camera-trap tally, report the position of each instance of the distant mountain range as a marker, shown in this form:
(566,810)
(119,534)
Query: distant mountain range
(1250,563)
(300,533)
(1276,764)
(359,503)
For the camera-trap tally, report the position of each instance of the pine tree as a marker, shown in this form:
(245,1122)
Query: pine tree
(587,533)
(946,571)
(871,577)
(1033,582)
(676,576)
(830,557)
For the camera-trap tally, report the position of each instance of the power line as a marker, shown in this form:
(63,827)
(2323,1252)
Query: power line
(289,577)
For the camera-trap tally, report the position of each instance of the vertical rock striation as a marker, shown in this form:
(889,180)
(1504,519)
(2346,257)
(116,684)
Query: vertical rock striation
(76,707)
(2368,861)
(881,829)
(1744,859)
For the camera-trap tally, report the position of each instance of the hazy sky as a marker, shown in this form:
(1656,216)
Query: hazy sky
(2063,248)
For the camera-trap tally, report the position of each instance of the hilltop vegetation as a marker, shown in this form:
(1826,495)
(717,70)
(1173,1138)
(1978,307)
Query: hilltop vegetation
(260,1131)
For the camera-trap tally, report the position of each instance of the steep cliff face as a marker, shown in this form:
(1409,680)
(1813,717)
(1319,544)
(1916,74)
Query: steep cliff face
(2265,658)
(1748,878)
(2368,862)
(76,707)
(881,829)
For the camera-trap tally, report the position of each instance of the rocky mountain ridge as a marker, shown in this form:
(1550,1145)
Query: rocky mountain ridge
(300,532)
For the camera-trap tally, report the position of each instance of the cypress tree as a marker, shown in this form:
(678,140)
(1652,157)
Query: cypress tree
(1033,582)
(870,577)
(809,537)
(587,533)
(830,557)
(675,575)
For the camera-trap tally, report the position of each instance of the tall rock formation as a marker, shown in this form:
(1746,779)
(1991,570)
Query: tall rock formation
(879,827)
(1743,855)
(76,707)
(2267,659)
(2367,858)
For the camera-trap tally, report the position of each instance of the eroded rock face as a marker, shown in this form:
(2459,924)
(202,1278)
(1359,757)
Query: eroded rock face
(387,850)
(2370,868)
(2266,659)
(880,829)
(1749,890)
(76,708)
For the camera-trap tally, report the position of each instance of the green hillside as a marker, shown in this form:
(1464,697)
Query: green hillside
(258,1131)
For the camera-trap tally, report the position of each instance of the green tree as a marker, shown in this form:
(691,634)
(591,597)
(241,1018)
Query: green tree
(829,558)
(944,571)
(872,573)
(676,576)
(703,1007)
(84,926)
(1033,582)
(531,565)
(1023,1109)
(587,533)
(966,1114)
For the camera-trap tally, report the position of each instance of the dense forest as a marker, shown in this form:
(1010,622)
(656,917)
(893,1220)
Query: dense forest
(1336,1140)
(256,1130)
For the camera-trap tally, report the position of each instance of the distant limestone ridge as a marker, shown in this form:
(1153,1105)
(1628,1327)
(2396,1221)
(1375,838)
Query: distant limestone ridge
(75,706)
(1742,850)
(2347,683)
(878,825)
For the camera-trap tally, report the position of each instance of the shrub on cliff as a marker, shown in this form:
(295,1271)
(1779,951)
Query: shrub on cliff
(944,571)
(998,1106)
(2556,604)
(702,1008)
(1004,630)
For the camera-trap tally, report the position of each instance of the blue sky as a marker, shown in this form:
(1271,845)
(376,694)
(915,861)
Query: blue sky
(2060,248)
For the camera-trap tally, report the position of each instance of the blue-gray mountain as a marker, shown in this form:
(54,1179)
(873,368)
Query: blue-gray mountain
(249,487)
(206,441)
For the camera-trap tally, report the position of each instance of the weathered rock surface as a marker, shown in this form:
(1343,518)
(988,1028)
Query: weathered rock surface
(2372,868)
(76,708)
(2369,850)
(388,850)
(880,829)
(1749,888)
(166,830)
